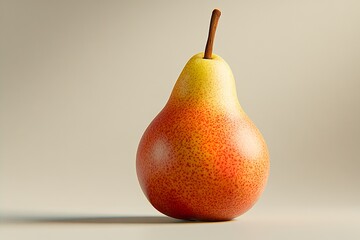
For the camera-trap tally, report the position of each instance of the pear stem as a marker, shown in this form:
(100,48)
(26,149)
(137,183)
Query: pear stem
(210,41)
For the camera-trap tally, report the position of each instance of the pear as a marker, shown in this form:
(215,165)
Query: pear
(202,158)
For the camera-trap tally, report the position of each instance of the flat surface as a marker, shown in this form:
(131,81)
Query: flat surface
(290,223)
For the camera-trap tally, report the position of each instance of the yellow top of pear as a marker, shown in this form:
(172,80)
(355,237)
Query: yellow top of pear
(206,82)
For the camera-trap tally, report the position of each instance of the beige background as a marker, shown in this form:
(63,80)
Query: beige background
(81,80)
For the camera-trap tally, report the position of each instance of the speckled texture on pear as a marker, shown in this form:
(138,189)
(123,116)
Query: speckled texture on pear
(202,157)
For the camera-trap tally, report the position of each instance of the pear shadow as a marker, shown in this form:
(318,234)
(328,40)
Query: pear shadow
(92,220)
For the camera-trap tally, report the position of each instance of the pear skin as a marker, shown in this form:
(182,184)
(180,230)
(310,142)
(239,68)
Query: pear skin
(202,158)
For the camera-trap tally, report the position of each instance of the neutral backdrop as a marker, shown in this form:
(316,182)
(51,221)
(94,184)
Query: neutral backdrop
(81,80)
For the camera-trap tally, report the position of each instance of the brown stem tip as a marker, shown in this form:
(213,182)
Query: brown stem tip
(210,41)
